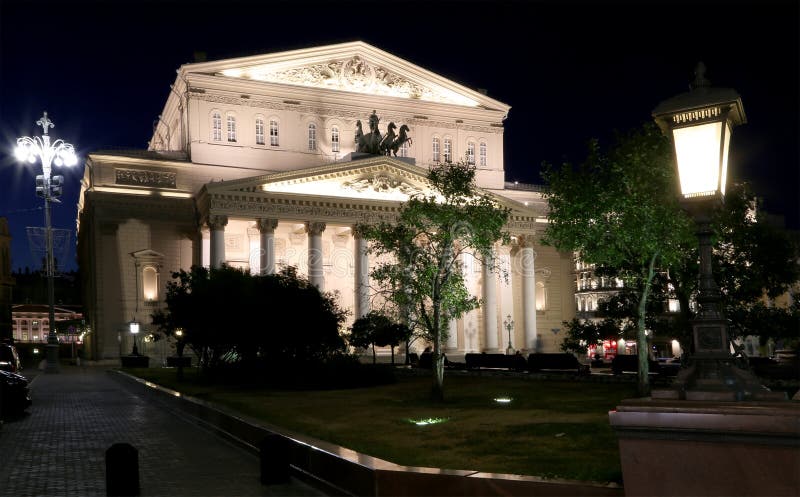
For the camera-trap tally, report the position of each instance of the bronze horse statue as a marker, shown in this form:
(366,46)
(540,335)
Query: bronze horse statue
(402,137)
(375,143)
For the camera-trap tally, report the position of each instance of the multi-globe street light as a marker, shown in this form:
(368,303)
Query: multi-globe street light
(58,153)
(699,123)
(509,324)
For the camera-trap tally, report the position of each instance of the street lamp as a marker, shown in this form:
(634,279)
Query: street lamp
(49,188)
(699,123)
(509,324)
(134,327)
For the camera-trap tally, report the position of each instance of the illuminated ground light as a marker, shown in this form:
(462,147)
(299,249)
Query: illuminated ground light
(503,400)
(427,421)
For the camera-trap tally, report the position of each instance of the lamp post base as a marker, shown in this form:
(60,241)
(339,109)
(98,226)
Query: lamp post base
(51,356)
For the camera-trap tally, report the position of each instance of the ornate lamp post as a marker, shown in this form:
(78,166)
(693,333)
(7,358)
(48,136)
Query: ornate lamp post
(134,326)
(59,153)
(699,124)
(509,324)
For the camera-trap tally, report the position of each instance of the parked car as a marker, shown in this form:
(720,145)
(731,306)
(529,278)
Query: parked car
(15,394)
(9,358)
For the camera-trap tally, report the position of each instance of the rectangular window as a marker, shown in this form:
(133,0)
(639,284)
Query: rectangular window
(448,150)
(403,152)
(436,156)
(259,131)
(216,127)
(483,154)
(471,153)
(334,139)
(312,136)
(273,133)
(231,129)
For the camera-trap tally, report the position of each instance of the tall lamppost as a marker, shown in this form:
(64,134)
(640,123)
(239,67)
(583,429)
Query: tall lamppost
(699,123)
(134,327)
(509,324)
(59,153)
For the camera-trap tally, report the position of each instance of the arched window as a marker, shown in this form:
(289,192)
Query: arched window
(231,128)
(259,131)
(216,126)
(273,133)
(150,283)
(312,137)
(448,150)
(483,154)
(471,153)
(541,296)
(436,151)
(334,139)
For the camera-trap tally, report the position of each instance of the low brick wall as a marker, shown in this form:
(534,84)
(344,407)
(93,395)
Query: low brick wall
(346,471)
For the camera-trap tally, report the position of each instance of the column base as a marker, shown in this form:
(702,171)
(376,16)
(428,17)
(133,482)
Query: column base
(51,355)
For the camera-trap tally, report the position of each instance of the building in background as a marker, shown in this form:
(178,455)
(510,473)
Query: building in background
(255,162)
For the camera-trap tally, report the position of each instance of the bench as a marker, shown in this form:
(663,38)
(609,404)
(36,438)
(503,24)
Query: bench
(495,361)
(556,362)
(629,363)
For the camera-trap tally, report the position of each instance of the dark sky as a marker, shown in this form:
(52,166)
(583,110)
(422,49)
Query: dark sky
(570,70)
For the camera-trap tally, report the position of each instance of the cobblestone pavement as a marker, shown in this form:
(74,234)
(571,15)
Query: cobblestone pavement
(59,448)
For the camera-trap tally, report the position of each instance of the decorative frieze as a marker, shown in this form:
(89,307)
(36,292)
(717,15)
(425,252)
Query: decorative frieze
(140,177)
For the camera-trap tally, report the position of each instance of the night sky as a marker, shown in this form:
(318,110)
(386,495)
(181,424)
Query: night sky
(570,70)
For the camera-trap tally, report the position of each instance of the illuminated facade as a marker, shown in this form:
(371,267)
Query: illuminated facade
(252,164)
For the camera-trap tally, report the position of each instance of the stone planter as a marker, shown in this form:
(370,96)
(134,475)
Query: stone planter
(135,361)
(175,361)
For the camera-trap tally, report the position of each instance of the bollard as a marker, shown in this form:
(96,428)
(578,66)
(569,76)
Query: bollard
(122,470)
(274,451)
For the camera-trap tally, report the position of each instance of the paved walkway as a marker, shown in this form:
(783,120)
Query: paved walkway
(59,448)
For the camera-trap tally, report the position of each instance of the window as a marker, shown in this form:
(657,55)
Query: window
(448,150)
(541,296)
(312,136)
(436,156)
(231,128)
(334,139)
(483,154)
(150,283)
(273,133)
(216,126)
(471,153)
(403,152)
(259,131)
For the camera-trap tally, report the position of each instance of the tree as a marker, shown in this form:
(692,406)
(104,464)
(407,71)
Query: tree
(376,328)
(214,308)
(620,209)
(426,243)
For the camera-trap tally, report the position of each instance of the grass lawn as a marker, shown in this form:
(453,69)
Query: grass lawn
(550,428)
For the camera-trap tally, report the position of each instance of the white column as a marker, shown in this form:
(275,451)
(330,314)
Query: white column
(315,272)
(489,290)
(361,285)
(528,291)
(266,227)
(452,336)
(217,226)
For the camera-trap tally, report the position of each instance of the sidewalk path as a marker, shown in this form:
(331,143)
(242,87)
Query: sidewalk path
(59,448)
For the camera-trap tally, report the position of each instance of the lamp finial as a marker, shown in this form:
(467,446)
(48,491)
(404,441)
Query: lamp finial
(700,80)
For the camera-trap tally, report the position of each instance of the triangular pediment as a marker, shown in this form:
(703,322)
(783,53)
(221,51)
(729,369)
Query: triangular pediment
(353,67)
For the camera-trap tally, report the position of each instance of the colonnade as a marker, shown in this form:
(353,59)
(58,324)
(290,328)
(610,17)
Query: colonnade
(314,230)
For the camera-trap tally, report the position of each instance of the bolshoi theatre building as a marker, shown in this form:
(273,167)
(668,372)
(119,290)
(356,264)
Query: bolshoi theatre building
(255,163)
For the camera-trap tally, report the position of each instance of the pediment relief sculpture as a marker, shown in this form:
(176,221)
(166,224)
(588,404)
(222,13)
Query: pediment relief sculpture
(354,74)
(382,183)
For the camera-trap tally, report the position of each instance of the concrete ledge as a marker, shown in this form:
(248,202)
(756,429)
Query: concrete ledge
(343,470)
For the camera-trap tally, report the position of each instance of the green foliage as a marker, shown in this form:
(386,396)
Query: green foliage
(216,310)
(424,277)
(376,328)
(620,209)
(582,333)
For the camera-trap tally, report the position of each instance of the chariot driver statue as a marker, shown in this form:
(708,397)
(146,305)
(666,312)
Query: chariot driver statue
(375,143)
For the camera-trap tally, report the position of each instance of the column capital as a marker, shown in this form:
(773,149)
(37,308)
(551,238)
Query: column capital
(314,227)
(523,241)
(358,230)
(217,222)
(266,225)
